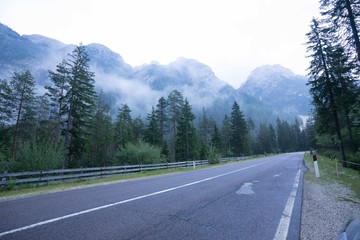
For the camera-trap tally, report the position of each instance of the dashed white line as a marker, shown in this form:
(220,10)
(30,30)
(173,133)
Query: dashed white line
(124,201)
(283,227)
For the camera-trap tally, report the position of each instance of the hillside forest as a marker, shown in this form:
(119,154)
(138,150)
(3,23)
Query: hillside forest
(334,50)
(70,126)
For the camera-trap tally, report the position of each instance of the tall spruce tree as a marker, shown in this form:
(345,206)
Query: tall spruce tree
(80,106)
(239,131)
(322,82)
(226,135)
(22,100)
(175,103)
(161,115)
(153,133)
(59,98)
(124,127)
(185,143)
(344,16)
(100,150)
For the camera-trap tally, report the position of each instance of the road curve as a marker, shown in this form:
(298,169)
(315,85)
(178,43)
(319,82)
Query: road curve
(258,199)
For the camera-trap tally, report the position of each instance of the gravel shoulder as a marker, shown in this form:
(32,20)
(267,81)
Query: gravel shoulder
(327,208)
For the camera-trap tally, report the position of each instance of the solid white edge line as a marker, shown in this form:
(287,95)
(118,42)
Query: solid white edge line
(283,227)
(124,201)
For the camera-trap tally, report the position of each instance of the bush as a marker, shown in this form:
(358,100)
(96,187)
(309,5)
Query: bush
(140,153)
(39,155)
(213,155)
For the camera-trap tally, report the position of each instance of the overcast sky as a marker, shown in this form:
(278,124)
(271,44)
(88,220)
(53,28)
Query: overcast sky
(231,36)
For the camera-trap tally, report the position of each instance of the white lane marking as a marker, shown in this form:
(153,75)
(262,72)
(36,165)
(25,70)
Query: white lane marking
(125,201)
(246,188)
(276,175)
(283,227)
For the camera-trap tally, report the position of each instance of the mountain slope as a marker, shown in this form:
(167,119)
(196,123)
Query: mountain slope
(270,91)
(279,87)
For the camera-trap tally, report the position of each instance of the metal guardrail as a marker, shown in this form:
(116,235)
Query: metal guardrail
(40,177)
(52,176)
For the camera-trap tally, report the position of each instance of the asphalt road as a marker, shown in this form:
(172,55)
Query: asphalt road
(259,199)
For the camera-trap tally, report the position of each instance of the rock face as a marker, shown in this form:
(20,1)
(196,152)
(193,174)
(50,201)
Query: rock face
(280,88)
(269,92)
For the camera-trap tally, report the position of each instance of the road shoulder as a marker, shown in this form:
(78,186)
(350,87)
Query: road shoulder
(326,209)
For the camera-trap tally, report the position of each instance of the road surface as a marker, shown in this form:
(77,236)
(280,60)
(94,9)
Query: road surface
(258,199)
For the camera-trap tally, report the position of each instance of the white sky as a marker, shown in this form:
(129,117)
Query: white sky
(231,36)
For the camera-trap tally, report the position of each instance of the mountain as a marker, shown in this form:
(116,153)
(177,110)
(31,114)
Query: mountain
(279,87)
(270,91)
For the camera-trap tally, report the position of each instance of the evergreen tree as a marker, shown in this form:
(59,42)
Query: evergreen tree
(239,131)
(138,130)
(175,103)
(22,100)
(124,128)
(153,133)
(161,115)
(81,101)
(185,143)
(322,80)
(100,149)
(344,16)
(59,98)
(5,121)
(272,138)
(216,140)
(226,135)
(263,139)
(6,103)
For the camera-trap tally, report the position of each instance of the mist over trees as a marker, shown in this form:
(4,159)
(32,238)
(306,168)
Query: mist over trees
(334,47)
(70,126)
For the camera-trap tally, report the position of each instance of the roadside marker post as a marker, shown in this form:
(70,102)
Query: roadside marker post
(317,173)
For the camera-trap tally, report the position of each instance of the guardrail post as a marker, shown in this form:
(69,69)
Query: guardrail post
(37,184)
(194,165)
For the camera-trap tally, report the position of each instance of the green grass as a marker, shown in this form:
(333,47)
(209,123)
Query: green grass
(327,167)
(61,186)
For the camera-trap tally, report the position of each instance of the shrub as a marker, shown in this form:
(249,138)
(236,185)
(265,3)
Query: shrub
(213,155)
(39,155)
(140,153)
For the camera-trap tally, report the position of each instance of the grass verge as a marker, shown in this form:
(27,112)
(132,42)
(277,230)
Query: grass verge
(61,186)
(328,173)
(28,190)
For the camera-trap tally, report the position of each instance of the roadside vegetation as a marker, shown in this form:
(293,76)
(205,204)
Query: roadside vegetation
(330,171)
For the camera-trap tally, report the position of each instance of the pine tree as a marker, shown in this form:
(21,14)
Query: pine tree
(22,99)
(344,16)
(226,135)
(175,103)
(79,110)
(161,115)
(5,103)
(239,131)
(185,133)
(124,127)
(216,139)
(59,98)
(138,130)
(322,81)
(100,149)
(153,133)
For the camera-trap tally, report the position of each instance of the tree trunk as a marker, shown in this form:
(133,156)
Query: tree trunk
(338,133)
(353,28)
(17,127)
